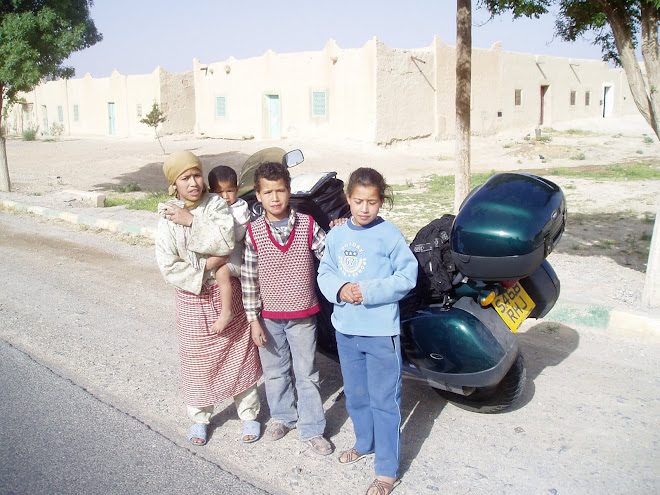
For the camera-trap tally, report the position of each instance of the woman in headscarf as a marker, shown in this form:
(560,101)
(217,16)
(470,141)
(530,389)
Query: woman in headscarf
(195,236)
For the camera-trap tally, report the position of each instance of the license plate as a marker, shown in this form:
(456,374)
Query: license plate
(514,306)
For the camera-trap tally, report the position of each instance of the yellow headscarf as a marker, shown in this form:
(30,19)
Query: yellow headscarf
(178,163)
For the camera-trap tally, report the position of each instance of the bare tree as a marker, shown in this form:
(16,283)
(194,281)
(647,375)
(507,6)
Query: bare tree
(463,102)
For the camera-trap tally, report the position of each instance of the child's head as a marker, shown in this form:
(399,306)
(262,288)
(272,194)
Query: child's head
(272,183)
(224,182)
(366,192)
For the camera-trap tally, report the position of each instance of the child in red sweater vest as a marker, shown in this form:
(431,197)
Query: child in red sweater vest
(278,277)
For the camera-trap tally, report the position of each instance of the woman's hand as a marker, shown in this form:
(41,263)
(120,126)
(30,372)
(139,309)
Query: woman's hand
(178,215)
(214,262)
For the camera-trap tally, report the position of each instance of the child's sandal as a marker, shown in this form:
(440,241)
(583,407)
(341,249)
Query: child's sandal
(380,487)
(349,457)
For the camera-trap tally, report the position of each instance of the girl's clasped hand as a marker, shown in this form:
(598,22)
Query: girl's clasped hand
(351,293)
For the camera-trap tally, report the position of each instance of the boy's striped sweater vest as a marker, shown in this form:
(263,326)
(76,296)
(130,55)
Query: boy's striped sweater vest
(286,273)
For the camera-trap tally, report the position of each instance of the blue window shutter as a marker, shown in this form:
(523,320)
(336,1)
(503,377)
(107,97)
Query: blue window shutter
(319,104)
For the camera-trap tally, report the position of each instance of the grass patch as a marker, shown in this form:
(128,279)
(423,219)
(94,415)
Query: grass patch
(627,171)
(132,187)
(411,211)
(148,202)
(578,132)
(579,156)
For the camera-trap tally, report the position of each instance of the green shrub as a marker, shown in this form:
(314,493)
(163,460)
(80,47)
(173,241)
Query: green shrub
(30,133)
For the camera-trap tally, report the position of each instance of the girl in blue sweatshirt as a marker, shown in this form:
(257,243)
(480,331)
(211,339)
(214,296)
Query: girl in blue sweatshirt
(366,269)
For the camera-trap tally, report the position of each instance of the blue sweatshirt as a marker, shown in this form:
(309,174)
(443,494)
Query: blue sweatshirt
(377,258)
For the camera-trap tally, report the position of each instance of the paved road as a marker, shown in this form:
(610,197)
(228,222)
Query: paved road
(97,313)
(56,437)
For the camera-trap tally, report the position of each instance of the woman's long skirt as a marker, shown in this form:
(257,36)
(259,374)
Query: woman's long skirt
(214,367)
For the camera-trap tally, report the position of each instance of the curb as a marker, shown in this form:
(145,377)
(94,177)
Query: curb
(616,320)
(90,221)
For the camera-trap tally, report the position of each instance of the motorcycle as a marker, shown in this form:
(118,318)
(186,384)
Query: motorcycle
(464,345)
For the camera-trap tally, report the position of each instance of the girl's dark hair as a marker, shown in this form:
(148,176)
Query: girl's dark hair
(369,177)
(223,173)
(272,171)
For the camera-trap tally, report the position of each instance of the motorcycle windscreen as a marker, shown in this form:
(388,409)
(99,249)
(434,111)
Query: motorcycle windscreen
(246,176)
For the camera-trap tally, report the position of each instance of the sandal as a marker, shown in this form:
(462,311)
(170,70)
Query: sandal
(276,431)
(351,456)
(197,432)
(382,487)
(320,445)
(251,429)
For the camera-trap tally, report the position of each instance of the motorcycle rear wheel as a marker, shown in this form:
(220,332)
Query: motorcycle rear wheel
(489,400)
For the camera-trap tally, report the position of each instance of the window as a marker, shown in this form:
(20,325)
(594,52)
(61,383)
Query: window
(587,98)
(573,95)
(220,106)
(319,107)
(60,113)
(518,97)
(139,110)
(76,115)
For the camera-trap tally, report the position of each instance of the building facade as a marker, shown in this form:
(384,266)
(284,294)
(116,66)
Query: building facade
(374,93)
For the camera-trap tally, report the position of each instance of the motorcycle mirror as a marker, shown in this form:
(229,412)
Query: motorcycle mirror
(293,158)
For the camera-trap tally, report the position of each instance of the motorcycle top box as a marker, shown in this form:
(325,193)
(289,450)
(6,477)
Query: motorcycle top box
(507,227)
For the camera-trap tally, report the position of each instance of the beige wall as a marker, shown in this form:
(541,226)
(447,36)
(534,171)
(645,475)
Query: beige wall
(404,91)
(131,98)
(373,93)
(346,77)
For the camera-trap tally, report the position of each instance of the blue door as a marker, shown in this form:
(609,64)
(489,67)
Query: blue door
(273,108)
(111,118)
(44,113)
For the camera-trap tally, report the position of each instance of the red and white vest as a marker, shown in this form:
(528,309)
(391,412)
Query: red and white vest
(287,273)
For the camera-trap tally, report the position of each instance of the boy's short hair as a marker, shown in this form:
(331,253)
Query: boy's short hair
(222,173)
(272,171)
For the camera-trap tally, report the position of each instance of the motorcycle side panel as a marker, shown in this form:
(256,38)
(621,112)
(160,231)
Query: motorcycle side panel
(506,227)
(465,345)
(543,287)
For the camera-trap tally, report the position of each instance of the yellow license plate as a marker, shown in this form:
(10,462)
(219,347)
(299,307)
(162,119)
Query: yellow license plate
(514,306)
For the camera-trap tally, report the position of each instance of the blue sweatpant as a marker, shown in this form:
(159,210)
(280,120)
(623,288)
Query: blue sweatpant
(371,368)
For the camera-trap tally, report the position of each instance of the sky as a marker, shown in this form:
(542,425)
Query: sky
(140,35)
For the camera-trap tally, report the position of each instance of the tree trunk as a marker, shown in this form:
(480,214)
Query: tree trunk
(646,101)
(651,56)
(463,103)
(5,185)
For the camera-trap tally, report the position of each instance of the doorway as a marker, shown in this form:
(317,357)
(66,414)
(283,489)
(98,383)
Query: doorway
(542,114)
(273,116)
(608,101)
(111,119)
(44,113)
